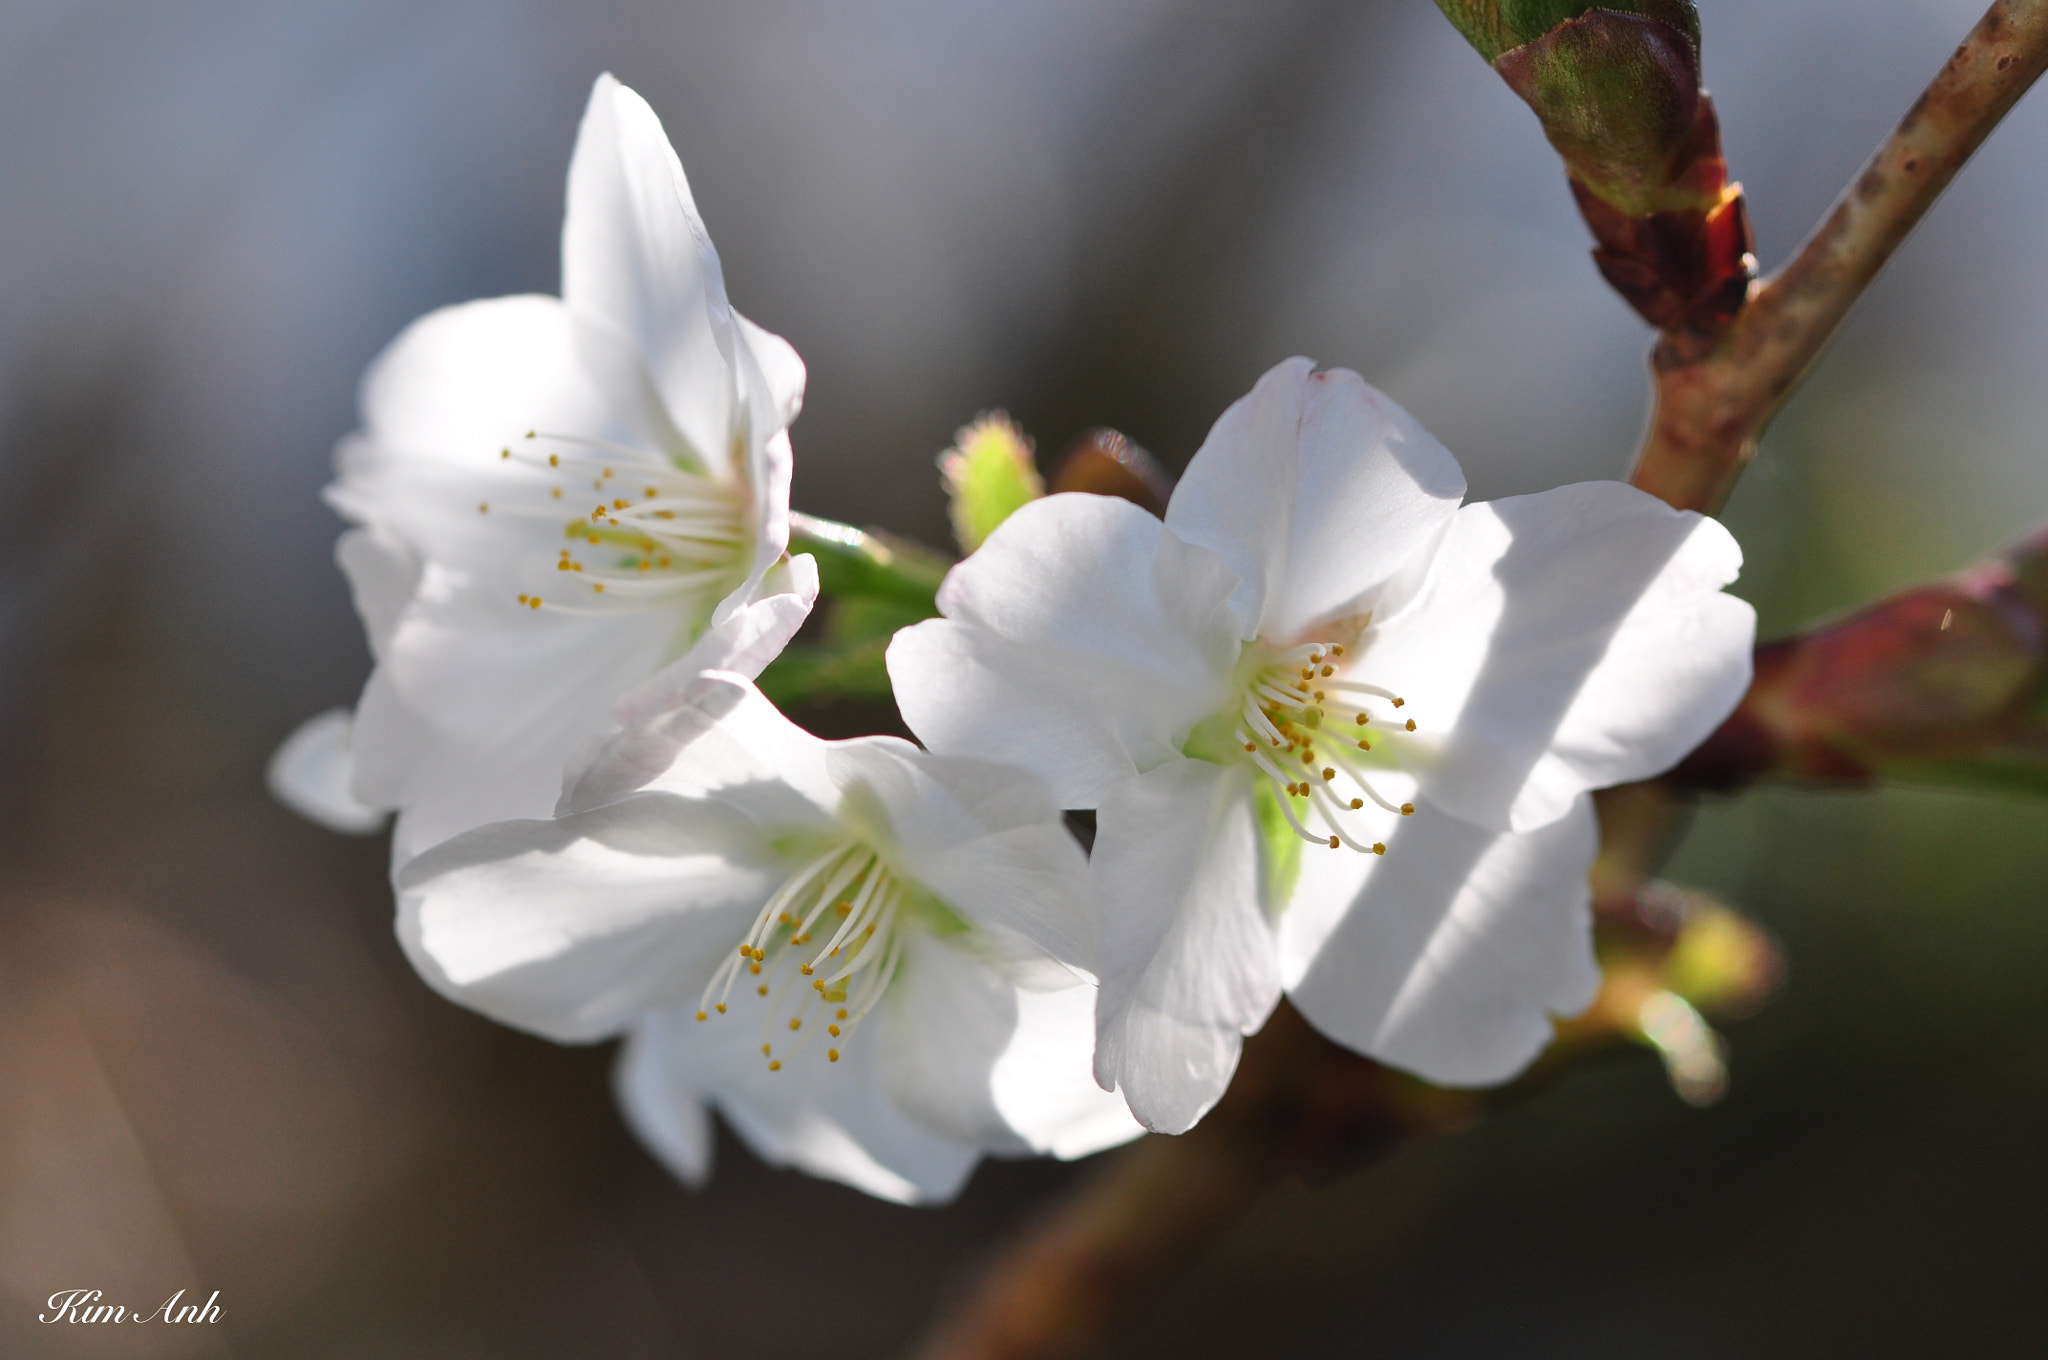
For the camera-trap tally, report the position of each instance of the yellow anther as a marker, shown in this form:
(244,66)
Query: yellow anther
(817,984)
(805,968)
(522,599)
(1378,849)
(833,1030)
(1333,842)
(1364,718)
(1251,746)
(1411,724)
(565,565)
(1336,650)
(795,1023)
(1400,703)
(868,929)
(1364,745)
(760,956)
(483,507)
(746,951)
(662,563)
(1329,670)
(533,603)
(555,491)
(761,990)
(1319,696)
(504,453)
(833,1054)
(1308,672)
(844,908)
(755,968)
(1407,809)
(775,1065)
(554,460)
(840,1014)
(619,504)
(1357,803)
(767,1049)
(720,1008)
(652,493)
(529,434)
(1328,774)
(702,1016)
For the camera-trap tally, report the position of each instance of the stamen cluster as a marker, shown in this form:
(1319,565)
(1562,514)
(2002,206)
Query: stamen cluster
(848,891)
(1285,721)
(666,534)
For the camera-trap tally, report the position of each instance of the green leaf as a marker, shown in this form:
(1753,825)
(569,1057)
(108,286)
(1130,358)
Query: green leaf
(989,476)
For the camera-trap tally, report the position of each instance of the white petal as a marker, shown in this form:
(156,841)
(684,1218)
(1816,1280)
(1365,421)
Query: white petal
(463,385)
(1316,489)
(720,738)
(479,704)
(983,837)
(834,1120)
(383,571)
(1564,641)
(654,1092)
(664,714)
(1448,955)
(1188,958)
(938,1032)
(1044,1085)
(571,928)
(312,771)
(781,370)
(636,257)
(1082,641)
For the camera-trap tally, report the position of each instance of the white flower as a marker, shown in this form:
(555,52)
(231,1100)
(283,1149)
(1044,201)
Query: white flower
(558,497)
(875,961)
(1320,648)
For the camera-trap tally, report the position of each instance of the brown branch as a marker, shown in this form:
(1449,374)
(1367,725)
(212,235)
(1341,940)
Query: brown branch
(1715,396)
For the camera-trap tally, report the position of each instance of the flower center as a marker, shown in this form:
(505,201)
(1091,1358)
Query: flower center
(828,941)
(659,535)
(1309,730)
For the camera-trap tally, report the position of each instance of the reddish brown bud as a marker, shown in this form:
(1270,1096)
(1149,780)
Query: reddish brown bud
(1944,683)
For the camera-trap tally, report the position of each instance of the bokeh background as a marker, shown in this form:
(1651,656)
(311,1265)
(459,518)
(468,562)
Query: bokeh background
(216,1071)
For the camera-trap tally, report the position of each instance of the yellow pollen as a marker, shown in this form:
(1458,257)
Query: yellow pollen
(1411,724)
(795,1023)
(833,1054)
(775,1065)
(1407,809)
(1378,849)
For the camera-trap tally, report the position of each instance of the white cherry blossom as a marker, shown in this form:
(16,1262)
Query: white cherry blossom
(876,962)
(556,498)
(1339,730)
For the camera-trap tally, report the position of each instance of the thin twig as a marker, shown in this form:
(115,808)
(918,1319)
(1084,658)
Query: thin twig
(1712,405)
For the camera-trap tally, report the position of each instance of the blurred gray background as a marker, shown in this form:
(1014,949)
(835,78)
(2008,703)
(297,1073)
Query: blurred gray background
(217,1073)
